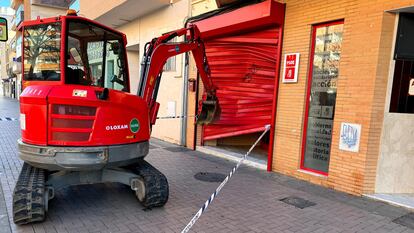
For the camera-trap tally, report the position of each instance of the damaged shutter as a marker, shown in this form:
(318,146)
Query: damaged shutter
(242,48)
(243,68)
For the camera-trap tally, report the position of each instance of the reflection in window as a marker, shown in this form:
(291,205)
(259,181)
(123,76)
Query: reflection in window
(42,52)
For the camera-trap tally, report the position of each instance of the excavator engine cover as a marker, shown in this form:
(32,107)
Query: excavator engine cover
(210,110)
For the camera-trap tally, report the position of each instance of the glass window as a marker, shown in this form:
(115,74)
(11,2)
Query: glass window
(42,52)
(96,57)
(325,57)
(402,95)
(170,65)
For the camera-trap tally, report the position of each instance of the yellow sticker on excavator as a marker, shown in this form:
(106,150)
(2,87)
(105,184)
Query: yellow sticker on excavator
(152,80)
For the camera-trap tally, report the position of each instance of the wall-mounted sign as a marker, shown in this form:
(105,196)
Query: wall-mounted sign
(291,68)
(3,29)
(350,137)
(171,109)
(411,87)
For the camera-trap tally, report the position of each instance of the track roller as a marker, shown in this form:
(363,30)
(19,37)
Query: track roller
(30,196)
(153,191)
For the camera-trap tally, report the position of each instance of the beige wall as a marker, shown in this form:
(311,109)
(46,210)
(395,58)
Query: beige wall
(396,161)
(94,8)
(202,6)
(45,12)
(133,66)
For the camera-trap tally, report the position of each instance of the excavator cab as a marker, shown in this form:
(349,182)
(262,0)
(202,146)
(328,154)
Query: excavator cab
(84,54)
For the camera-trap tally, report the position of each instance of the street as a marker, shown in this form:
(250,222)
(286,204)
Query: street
(250,202)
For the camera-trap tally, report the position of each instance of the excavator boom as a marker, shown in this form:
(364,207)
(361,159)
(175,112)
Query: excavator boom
(156,54)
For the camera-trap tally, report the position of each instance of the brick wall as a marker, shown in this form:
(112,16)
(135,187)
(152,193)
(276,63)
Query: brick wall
(362,84)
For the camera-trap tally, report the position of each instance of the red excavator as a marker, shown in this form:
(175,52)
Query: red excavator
(80,124)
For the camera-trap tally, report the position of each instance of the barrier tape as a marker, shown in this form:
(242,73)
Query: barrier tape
(175,117)
(208,202)
(8,119)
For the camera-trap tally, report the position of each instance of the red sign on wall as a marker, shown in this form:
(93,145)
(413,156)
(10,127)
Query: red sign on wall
(291,68)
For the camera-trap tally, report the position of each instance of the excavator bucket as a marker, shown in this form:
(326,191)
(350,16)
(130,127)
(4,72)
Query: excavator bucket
(210,110)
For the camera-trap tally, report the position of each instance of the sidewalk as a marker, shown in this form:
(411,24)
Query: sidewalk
(4,218)
(250,202)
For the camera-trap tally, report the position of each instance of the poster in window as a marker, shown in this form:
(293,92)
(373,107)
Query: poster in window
(327,43)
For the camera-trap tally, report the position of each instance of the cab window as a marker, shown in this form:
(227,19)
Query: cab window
(42,52)
(95,57)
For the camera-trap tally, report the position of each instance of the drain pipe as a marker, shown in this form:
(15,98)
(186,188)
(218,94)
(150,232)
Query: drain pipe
(184,102)
(184,109)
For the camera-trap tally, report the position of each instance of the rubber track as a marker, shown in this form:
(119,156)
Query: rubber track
(156,185)
(28,196)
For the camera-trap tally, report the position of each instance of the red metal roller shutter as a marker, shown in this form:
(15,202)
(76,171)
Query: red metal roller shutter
(244,70)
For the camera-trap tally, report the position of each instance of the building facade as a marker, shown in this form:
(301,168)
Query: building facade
(343,112)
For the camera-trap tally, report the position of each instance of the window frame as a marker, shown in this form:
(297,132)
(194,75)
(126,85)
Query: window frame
(173,66)
(23,57)
(307,97)
(122,40)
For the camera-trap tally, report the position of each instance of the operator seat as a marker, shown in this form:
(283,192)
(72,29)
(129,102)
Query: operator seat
(74,76)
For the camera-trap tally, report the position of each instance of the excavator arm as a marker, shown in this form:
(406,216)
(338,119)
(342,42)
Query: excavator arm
(156,54)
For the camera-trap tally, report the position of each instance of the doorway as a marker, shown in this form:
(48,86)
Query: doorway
(394,181)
